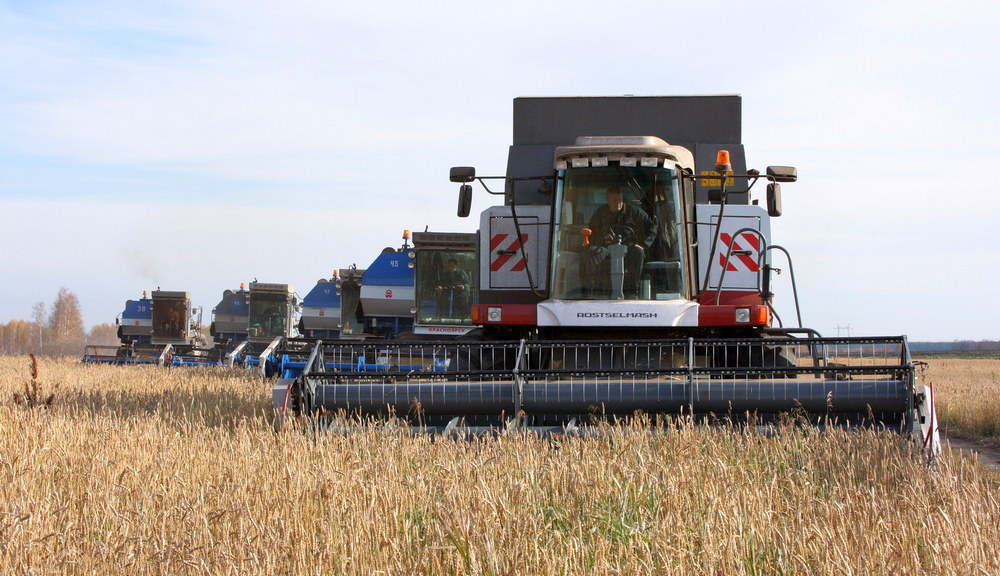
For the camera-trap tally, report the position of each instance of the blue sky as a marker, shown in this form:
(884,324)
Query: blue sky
(197,145)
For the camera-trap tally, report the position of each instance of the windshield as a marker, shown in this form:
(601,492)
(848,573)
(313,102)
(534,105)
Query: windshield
(268,315)
(616,235)
(170,319)
(445,289)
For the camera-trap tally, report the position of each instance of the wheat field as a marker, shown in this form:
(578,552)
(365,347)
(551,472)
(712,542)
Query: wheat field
(968,396)
(140,470)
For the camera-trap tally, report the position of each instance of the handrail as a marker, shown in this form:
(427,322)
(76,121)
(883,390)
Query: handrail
(795,290)
(231,356)
(162,359)
(262,359)
(311,362)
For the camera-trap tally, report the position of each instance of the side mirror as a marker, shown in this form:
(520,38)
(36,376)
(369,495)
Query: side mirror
(774,199)
(464,200)
(782,173)
(463,174)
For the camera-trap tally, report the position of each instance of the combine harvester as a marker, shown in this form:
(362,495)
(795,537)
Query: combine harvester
(272,312)
(250,327)
(627,271)
(151,333)
(360,303)
(321,309)
(163,330)
(378,303)
(135,329)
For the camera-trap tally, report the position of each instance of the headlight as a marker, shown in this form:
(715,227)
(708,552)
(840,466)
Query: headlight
(742,315)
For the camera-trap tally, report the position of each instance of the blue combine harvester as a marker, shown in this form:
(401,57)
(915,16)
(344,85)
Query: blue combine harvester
(271,321)
(362,303)
(135,327)
(162,330)
(386,302)
(424,291)
(320,318)
(334,310)
(248,327)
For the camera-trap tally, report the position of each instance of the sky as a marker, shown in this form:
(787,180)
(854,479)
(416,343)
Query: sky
(196,145)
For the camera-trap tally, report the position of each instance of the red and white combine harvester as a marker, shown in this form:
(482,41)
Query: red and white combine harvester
(628,270)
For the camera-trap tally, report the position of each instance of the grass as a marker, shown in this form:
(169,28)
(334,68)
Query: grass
(141,470)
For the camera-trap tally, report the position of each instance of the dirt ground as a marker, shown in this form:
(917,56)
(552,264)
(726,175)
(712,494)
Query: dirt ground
(989,456)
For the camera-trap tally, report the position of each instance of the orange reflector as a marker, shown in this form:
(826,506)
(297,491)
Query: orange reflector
(760,316)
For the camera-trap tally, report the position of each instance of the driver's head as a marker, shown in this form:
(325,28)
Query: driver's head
(615,198)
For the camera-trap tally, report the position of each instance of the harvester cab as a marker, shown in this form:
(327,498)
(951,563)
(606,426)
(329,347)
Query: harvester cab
(271,321)
(272,312)
(177,339)
(171,318)
(445,265)
(629,232)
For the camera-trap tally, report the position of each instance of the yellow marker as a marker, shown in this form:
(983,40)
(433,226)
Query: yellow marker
(730,181)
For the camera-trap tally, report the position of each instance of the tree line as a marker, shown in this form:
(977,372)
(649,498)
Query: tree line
(957,346)
(54,330)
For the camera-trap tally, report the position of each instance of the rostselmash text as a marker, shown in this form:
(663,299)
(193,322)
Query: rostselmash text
(616,314)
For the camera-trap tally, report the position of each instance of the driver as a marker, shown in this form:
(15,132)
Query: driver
(610,223)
